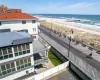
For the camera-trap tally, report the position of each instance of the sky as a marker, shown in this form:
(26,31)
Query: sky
(55,6)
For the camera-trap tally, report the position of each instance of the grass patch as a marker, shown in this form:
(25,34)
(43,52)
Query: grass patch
(55,61)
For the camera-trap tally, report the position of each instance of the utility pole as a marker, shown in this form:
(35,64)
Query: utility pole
(51,25)
(69,45)
(70,41)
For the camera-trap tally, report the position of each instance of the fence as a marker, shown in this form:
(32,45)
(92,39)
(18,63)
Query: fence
(50,72)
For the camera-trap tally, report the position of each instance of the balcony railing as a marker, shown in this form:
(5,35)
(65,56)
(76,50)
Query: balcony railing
(39,50)
(40,61)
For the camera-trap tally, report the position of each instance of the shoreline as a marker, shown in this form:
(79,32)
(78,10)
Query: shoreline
(90,38)
(83,27)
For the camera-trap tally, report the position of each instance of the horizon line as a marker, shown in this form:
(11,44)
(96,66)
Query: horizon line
(63,13)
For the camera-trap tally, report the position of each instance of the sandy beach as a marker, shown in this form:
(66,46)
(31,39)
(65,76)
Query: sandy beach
(85,34)
(84,27)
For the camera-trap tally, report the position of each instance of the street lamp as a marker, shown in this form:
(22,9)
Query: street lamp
(69,45)
(51,25)
(69,38)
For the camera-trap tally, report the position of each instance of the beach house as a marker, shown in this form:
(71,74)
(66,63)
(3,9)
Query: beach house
(16,20)
(20,49)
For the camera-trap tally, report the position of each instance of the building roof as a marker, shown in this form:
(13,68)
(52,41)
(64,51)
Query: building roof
(16,16)
(3,7)
(39,47)
(14,38)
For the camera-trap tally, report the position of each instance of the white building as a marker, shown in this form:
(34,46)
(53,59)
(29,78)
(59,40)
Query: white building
(30,27)
(16,20)
(19,52)
(16,55)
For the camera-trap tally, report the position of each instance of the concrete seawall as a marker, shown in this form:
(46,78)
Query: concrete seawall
(72,67)
(89,67)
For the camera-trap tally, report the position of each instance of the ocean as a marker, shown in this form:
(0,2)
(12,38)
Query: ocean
(85,19)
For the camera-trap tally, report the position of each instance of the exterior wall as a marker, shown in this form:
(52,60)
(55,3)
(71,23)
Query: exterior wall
(22,72)
(89,70)
(31,51)
(18,74)
(80,63)
(17,25)
(46,74)
(13,58)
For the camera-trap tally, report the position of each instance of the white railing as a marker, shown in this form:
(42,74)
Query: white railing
(49,72)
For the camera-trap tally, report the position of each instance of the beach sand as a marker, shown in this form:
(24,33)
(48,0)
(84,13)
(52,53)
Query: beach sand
(85,34)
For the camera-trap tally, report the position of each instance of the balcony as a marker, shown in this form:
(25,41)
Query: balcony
(40,58)
(38,47)
(40,52)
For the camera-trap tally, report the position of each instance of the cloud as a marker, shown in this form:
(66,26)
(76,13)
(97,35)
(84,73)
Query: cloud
(76,8)
(80,5)
(79,8)
(62,7)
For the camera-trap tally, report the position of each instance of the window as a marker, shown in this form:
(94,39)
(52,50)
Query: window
(34,29)
(4,30)
(17,63)
(7,68)
(0,23)
(23,22)
(6,56)
(24,30)
(3,68)
(4,51)
(27,46)
(23,63)
(19,48)
(9,50)
(12,65)
(23,46)
(33,21)
(25,60)
(15,48)
(29,60)
(0,52)
(34,37)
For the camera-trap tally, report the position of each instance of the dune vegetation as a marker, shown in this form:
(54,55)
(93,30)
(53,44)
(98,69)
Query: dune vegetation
(85,38)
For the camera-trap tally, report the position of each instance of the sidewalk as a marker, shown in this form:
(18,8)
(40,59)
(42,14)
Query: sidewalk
(46,66)
(79,47)
(62,75)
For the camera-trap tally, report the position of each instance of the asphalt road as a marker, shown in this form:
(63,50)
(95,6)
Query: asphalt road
(78,53)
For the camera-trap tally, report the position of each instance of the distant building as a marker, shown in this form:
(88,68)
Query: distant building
(4,9)
(16,20)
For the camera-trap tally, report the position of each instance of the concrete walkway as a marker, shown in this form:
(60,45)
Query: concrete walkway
(79,47)
(46,66)
(62,75)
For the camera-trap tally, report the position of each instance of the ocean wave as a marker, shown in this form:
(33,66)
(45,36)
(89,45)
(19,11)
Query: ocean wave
(97,24)
(84,19)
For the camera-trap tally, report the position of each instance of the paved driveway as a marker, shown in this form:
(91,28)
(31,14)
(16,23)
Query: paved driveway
(64,75)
